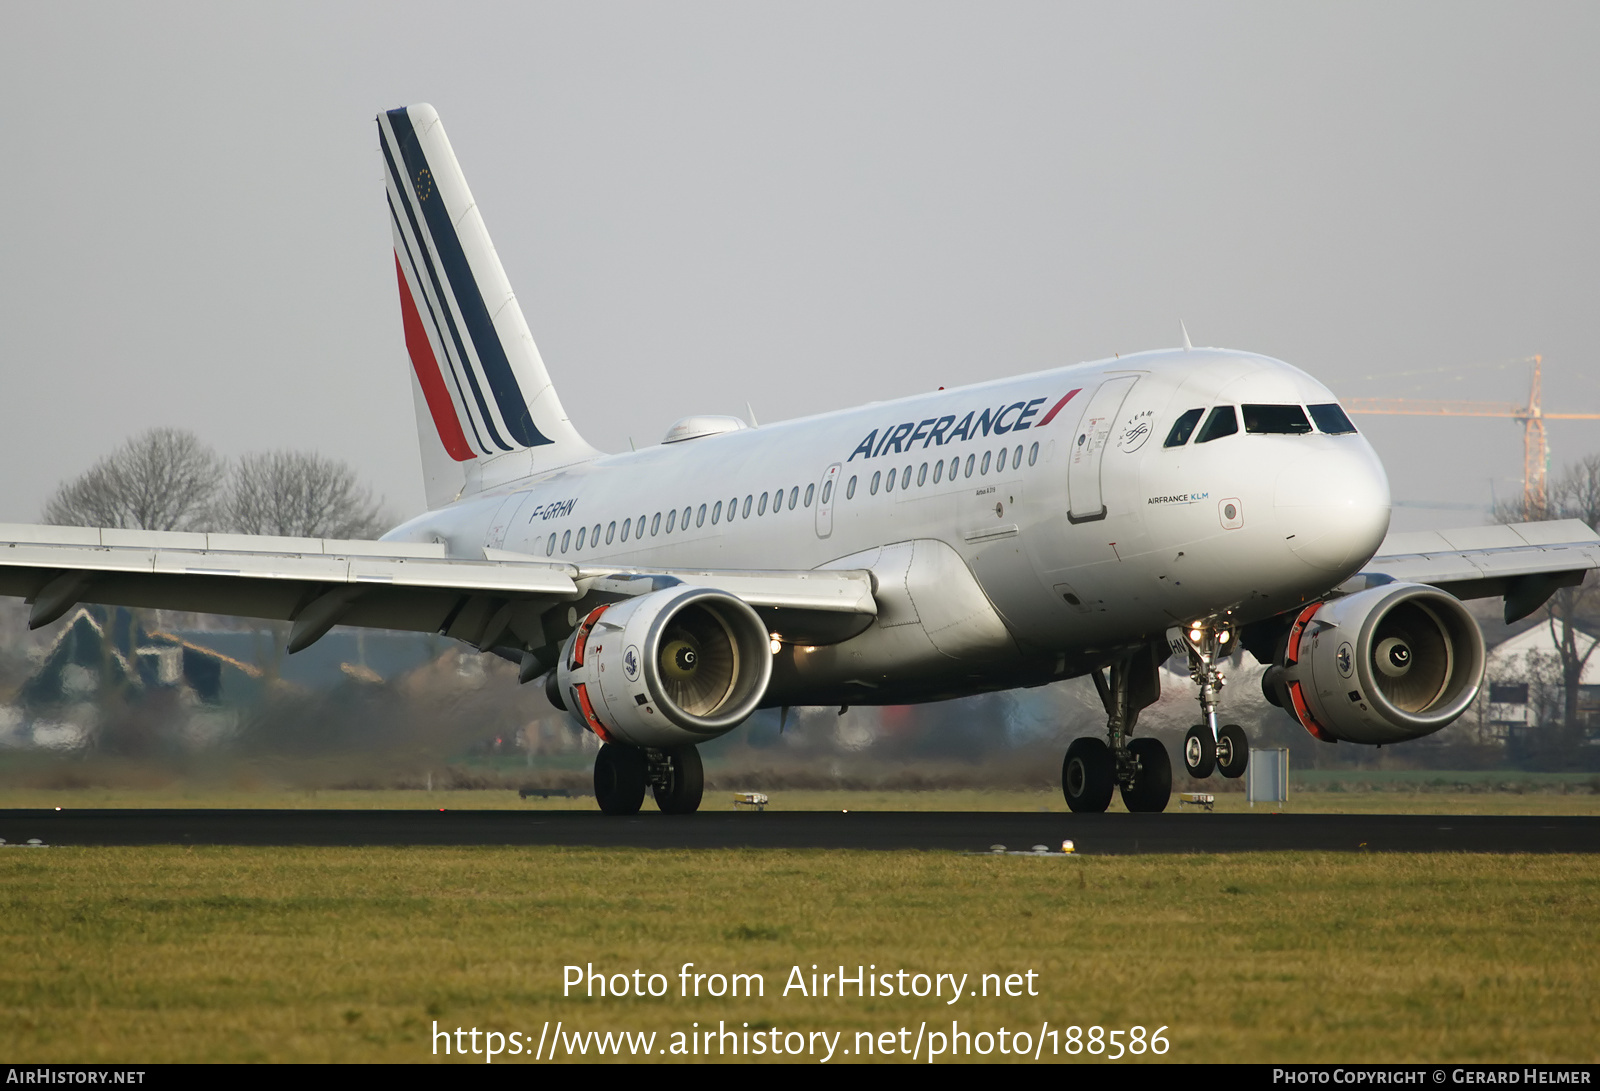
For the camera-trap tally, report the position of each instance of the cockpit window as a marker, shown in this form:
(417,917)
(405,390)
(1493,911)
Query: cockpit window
(1331,419)
(1221,422)
(1183,428)
(1276,420)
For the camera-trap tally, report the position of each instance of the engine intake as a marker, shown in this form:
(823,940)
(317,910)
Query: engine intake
(1384,665)
(676,666)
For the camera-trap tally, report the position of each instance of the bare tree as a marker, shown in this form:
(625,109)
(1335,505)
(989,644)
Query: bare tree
(163,479)
(1575,495)
(301,495)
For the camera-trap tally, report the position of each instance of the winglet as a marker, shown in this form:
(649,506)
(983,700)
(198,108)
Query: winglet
(1186,345)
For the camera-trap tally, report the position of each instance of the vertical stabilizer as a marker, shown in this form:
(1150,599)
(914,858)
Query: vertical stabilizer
(487,412)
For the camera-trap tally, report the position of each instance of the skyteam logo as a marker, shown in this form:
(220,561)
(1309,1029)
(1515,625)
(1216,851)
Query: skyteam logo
(1135,430)
(630,662)
(902,438)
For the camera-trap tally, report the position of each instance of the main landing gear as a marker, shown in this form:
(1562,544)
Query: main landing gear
(622,773)
(1208,748)
(1138,767)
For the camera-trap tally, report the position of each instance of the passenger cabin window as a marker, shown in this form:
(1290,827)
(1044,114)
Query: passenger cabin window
(699,517)
(748,500)
(876,478)
(581,532)
(794,497)
(811,491)
(970,460)
(684,520)
(655,524)
(626,523)
(761,505)
(1183,428)
(827,491)
(1033,454)
(1000,466)
(611,531)
(850,489)
(1331,419)
(672,519)
(550,546)
(1221,422)
(888,486)
(566,540)
(716,514)
(938,471)
(1275,420)
(733,508)
(985,467)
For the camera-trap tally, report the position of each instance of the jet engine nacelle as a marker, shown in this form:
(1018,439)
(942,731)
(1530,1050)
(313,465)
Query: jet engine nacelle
(665,669)
(1384,665)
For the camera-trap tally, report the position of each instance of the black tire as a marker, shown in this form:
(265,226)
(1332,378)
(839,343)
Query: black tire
(1233,751)
(619,778)
(1088,776)
(1151,787)
(687,783)
(1199,752)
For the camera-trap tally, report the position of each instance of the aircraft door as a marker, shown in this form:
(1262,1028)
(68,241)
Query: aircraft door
(826,499)
(1085,503)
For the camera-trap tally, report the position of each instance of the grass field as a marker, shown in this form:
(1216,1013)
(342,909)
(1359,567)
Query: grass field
(353,954)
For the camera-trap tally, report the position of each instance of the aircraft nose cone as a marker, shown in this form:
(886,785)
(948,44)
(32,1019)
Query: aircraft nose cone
(1333,505)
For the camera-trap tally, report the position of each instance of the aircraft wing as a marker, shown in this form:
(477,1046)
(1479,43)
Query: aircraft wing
(318,583)
(1524,562)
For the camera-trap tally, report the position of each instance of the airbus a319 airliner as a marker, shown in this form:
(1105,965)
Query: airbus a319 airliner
(1092,519)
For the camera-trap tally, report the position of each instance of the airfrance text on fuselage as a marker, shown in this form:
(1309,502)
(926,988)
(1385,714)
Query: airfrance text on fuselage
(898,438)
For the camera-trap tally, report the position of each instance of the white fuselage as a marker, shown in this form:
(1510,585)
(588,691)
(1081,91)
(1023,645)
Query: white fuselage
(1023,538)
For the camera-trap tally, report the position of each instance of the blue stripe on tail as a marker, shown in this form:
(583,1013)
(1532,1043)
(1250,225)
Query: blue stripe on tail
(491,354)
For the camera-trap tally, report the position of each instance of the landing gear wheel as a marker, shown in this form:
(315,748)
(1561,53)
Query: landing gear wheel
(685,784)
(619,778)
(1199,752)
(1088,776)
(1151,786)
(1233,751)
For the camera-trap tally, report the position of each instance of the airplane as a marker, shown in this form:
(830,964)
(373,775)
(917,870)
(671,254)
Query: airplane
(1087,520)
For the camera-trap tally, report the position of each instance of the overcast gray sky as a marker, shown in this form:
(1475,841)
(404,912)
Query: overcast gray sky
(806,206)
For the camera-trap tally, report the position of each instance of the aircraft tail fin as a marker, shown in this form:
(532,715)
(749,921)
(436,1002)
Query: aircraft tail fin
(486,409)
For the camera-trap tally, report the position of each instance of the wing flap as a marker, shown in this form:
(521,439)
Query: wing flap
(391,585)
(401,585)
(1524,562)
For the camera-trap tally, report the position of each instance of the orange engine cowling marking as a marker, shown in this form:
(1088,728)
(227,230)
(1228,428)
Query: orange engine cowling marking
(589,717)
(1303,714)
(582,642)
(1292,655)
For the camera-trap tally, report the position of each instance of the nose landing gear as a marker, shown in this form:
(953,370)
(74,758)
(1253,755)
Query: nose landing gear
(1139,767)
(1208,748)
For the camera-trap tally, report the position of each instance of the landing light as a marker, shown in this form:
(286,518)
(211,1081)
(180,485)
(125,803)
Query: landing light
(1195,634)
(1222,637)
(777,645)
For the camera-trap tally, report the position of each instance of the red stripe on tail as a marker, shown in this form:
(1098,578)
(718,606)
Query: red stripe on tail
(428,374)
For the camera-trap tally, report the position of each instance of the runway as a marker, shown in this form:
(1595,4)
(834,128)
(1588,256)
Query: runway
(1108,834)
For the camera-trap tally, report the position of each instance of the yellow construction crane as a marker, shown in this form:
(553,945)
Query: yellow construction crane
(1535,448)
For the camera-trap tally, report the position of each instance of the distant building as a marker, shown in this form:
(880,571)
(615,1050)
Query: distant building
(106,657)
(1524,686)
